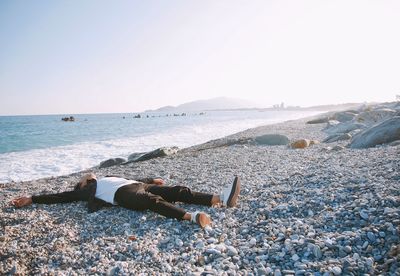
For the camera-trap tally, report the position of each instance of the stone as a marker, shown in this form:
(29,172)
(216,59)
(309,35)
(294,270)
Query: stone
(167,267)
(346,127)
(288,272)
(375,116)
(13,270)
(369,262)
(221,247)
(364,214)
(268,270)
(394,251)
(336,270)
(213,251)
(200,245)
(330,124)
(179,242)
(347,249)
(300,144)
(261,271)
(113,271)
(111,162)
(272,140)
(160,152)
(371,236)
(388,210)
(344,116)
(212,240)
(382,133)
(338,148)
(317,252)
(337,137)
(135,155)
(318,121)
(231,251)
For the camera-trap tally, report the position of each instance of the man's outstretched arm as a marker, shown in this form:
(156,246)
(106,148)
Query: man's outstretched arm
(63,197)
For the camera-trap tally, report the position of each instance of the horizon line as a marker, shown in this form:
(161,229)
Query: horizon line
(222,109)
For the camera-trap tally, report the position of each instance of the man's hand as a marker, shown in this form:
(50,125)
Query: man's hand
(21,201)
(158,181)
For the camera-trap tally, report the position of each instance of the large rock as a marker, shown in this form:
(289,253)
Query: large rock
(337,137)
(389,105)
(272,139)
(111,162)
(338,117)
(135,155)
(330,124)
(396,106)
(374,116)
(300,144)
(344,128)
(344,116)
(385,132)
(160,152)
(318,121)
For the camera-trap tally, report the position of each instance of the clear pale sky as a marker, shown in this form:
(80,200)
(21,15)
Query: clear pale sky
(127,56)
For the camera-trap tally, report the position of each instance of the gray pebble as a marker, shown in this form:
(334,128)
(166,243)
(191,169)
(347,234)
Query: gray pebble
(364,214)
(336,270)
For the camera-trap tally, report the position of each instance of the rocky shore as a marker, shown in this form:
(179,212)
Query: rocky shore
(328,208)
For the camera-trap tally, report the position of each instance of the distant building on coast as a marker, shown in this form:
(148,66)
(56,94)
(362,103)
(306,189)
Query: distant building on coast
(279,106)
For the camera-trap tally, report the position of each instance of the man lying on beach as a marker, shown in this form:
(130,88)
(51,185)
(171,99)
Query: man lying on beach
(139,195)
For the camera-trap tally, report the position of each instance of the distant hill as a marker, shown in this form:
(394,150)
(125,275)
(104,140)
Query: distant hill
(224,103)
(219,103)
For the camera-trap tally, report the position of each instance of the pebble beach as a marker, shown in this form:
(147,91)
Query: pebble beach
(323,210)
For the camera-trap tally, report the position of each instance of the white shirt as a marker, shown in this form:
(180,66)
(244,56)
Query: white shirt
(106,188)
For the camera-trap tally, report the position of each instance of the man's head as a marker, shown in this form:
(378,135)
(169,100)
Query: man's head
(84,180)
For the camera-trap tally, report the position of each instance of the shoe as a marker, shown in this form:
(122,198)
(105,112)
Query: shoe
(230,194)
(201,219)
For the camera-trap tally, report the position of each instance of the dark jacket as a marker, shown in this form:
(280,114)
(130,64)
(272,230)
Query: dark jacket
(86,194)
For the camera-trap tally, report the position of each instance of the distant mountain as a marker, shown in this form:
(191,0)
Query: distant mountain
(224,103)
(210,104)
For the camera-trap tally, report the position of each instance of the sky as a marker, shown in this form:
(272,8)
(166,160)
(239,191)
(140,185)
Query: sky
(95,56)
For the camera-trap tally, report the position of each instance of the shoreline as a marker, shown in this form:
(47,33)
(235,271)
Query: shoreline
(300,211)
(63,160)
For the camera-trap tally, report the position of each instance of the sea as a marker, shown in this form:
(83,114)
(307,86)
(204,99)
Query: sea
(33,147)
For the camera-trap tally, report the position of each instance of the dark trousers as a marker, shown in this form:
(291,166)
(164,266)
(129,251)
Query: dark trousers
(140,196)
